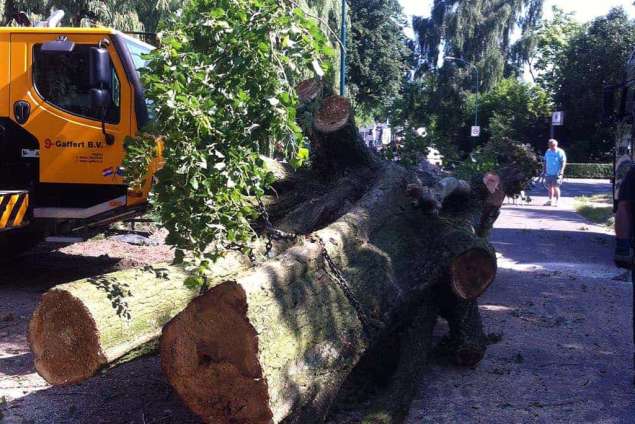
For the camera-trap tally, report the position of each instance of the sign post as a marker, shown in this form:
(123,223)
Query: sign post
(476,131)
(557,120)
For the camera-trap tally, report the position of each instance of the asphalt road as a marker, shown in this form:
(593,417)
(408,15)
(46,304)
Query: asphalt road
(564,313)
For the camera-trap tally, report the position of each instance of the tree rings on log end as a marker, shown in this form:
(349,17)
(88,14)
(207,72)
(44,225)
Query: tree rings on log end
(472,273)
(308,90)
(64,339)
(334,113)
(209,353)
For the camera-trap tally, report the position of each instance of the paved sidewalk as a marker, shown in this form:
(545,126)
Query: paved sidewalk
(564,312)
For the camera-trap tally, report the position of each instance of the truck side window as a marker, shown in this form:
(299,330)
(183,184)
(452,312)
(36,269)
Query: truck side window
(62,79)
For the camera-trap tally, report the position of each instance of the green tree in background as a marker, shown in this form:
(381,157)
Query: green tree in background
(515,110)
(546,49)
(593,58)
(137,15)
(479,31)
(379,56)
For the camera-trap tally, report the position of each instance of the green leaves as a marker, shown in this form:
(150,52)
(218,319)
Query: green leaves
(378,55)
(223,83)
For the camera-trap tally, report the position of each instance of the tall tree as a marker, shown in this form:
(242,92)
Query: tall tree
(379,54)
(515,110)
(479,31)
(542,52)
(593,58)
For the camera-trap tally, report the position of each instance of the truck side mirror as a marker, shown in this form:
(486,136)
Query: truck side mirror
(100,101)
(100,74)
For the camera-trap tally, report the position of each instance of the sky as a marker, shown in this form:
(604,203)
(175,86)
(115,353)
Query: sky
(585,10)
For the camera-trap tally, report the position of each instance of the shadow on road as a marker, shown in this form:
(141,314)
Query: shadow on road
(43,270)
(137,391)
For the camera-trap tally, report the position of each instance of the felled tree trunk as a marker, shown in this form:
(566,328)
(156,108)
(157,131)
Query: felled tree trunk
(81,327)
(275,343)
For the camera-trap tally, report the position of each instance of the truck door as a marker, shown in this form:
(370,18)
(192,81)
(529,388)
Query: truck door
(50,99)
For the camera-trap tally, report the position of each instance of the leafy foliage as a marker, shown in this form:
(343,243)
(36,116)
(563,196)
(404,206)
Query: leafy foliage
(480,32)
(589,170)
(138,15)
(223,85)
(546,48)
(594,57)
(517,163)
(514,110)
(379,55)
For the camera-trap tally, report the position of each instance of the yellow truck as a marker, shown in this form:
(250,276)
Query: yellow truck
(69,97)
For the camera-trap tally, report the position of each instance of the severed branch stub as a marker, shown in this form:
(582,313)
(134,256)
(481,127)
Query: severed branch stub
(309,90)
(336,144)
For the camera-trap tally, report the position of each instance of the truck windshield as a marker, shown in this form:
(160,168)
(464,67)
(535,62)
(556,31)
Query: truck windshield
(137,50)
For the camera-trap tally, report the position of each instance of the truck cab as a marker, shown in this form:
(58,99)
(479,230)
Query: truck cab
(69,98)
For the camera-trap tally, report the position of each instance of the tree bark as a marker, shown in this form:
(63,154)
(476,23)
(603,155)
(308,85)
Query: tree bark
(81,327)
(276,343)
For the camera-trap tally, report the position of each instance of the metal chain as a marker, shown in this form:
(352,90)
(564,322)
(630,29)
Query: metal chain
(370,326)
(272,233)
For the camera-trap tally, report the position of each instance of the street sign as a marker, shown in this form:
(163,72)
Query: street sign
(476,131)
(557,119)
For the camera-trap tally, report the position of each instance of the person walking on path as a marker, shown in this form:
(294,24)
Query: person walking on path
(555,162)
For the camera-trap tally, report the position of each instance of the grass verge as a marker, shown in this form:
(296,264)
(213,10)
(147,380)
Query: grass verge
(597,209)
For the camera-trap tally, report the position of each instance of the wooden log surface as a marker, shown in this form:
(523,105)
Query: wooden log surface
(81,327)
(307,317)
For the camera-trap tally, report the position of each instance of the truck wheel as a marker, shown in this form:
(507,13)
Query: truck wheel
(15,242)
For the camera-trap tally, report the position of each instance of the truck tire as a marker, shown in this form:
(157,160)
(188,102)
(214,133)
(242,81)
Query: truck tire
(16,242)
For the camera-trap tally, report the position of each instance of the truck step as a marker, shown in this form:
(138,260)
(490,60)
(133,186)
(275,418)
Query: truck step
(14,205)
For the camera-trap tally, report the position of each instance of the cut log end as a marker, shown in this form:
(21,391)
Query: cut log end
(62,328)
(472,273)
(334,114)
(308,90)
(209,353)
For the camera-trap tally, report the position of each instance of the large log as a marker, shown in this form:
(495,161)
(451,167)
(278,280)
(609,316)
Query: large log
(81,327)
(275,344)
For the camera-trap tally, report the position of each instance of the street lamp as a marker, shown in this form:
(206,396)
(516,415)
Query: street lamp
(343,51)
(476,69)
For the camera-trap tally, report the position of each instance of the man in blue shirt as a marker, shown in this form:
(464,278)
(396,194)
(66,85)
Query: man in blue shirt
(554,163)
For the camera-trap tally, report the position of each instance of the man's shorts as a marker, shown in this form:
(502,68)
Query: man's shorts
(552,181)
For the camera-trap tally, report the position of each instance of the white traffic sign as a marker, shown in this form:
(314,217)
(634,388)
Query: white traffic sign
(557,119)
(476,131)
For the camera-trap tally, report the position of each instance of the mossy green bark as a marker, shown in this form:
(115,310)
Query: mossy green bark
(312,326)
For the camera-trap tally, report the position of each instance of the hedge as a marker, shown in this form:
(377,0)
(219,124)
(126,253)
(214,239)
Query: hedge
(588,170)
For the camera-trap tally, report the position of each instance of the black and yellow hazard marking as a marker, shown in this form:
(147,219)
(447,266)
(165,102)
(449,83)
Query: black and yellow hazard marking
(13,208)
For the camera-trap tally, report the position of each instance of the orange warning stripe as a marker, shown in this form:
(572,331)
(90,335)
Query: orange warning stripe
(13,209)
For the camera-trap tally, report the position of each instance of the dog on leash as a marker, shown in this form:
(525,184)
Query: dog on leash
(518,199)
